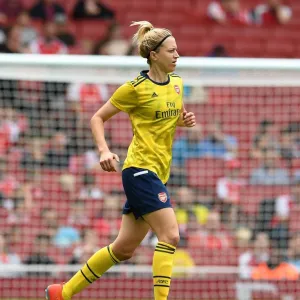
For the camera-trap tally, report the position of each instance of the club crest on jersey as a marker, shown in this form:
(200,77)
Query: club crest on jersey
(163,197)
(177,89)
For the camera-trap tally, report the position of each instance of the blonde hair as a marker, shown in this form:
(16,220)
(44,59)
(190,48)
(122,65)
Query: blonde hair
(149,38)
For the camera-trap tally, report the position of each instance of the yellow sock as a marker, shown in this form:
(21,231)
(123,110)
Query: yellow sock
(95,267)
(162,269)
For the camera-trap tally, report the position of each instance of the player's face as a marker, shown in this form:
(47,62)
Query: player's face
(167,56)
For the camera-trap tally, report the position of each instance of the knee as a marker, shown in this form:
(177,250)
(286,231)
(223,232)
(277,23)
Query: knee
(121,252)
(171,238)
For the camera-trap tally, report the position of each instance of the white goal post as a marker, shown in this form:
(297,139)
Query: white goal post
(117,69)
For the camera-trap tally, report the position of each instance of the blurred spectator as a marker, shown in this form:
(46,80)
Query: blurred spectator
(113,43)
(287,209)
(272,12)
(188,204)
(182,259)
(288,147)
(229,192)
(8,182)
(219,144)
(78,217)
(67,189)
(34,192)
(87,247)
(228,11)
(218,51)
(87,46)
(66,236)
(39,255)
(58,155)
(90,189)
(256,255)
(92,9)
(264,138)
(91,159)
(28,32)
(47,10)
(189,145)
(107,221)
(49,222)
(86,98)
(294,129)
(243,236)
(294,251)
(12,123)
(7,257)
(189,213)
(10,9)
(33,156)
(270,173)
(275,268)
(21,212)
(63,33)
(212,236)
(48,43)
(13,43)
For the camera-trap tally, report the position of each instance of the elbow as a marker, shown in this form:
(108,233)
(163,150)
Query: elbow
(95,119)
(92,120)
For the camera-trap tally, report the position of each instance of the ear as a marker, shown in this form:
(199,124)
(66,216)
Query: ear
(153,55)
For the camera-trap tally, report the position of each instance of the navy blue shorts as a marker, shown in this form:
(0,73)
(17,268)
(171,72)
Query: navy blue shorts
(145,192)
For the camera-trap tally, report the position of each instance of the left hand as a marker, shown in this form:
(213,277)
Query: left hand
(189,119)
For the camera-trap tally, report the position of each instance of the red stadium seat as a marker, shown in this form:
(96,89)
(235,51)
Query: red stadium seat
(149,7)
(28,3)
(248,48)
(295,164)
(109,181)
(77,164)
(280,49)
(92,29)
(214,257)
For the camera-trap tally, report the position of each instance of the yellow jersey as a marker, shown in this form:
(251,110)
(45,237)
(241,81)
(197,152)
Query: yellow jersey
(154,109)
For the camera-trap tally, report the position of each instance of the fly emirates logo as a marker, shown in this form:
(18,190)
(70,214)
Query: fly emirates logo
(171,112)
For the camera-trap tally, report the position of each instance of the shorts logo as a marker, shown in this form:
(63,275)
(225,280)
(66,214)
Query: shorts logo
(163,197)
(177,89)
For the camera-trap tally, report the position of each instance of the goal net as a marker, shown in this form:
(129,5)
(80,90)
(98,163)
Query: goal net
(234,185)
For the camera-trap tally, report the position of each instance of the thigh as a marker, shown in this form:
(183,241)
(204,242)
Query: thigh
(164,223)
(131,234)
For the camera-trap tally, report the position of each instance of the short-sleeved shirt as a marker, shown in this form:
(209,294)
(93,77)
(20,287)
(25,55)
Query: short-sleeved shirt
(154,109)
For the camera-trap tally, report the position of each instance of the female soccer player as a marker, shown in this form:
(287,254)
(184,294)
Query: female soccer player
(153,102)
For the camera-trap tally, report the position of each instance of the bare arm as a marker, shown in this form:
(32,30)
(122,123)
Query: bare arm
(97,126)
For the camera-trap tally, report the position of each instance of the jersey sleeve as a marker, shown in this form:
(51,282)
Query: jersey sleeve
(124,98)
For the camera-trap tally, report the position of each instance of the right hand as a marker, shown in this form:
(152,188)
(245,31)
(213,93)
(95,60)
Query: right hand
(108,161)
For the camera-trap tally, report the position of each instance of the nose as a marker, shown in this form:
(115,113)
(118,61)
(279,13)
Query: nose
(176,55)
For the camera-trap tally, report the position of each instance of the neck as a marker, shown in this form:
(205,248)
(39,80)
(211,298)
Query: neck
(157,75)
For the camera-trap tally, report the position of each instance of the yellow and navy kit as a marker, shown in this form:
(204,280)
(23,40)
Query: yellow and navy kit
(154,109)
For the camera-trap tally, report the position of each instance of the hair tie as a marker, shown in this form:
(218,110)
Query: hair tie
(159,44)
